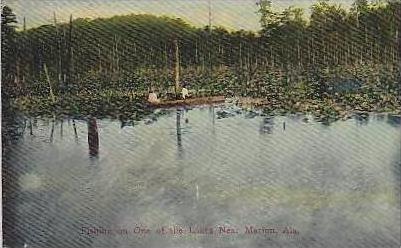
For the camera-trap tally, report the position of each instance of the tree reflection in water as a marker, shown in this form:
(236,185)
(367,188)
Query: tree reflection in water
(93,137)
(178,129)
(266,126)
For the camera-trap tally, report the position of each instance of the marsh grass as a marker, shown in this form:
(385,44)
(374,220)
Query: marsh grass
(326,93)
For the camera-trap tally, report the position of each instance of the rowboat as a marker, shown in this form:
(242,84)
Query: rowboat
(192,101)
(189,102)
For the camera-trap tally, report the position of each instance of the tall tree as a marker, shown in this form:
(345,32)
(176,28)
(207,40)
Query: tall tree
(9,50)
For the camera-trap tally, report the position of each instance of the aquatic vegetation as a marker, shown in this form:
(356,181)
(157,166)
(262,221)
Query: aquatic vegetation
(326,94)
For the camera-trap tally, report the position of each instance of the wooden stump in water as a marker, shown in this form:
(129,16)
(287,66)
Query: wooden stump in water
(93,137)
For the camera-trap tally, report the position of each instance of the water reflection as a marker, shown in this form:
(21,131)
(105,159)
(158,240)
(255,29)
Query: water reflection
(30,126)
(93,137)
(178,131)
(362,119)
(266,126)
(61,128)
(394,120)
(323,181)
(52,129)
(126,122)
(74,126)
(213,115)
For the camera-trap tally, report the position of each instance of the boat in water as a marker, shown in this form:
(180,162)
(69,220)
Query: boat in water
(196,101)
(190,101)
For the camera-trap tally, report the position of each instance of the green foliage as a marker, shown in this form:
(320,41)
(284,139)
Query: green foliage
(8,47)
(295,62)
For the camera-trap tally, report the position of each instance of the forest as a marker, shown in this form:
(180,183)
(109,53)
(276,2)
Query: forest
(331,62)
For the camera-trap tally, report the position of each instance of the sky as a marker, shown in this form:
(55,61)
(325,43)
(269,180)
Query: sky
(231,14)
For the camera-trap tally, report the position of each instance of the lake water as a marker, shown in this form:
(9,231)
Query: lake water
(299,183)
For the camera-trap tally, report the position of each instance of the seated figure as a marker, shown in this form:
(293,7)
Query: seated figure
(153,98)
(184,93)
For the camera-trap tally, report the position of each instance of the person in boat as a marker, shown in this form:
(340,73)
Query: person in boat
(184,92)
(153,98)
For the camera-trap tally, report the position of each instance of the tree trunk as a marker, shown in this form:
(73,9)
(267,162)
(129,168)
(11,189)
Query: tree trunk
(69,70)
(50,84)
(58,52)
(177,68)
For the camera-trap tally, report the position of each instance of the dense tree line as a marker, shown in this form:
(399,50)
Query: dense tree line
(367,33)
(65,53)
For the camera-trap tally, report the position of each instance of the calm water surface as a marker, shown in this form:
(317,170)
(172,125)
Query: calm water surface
(337,185)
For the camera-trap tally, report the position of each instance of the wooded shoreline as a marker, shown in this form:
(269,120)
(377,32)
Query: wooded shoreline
(332,93)
(333,62)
